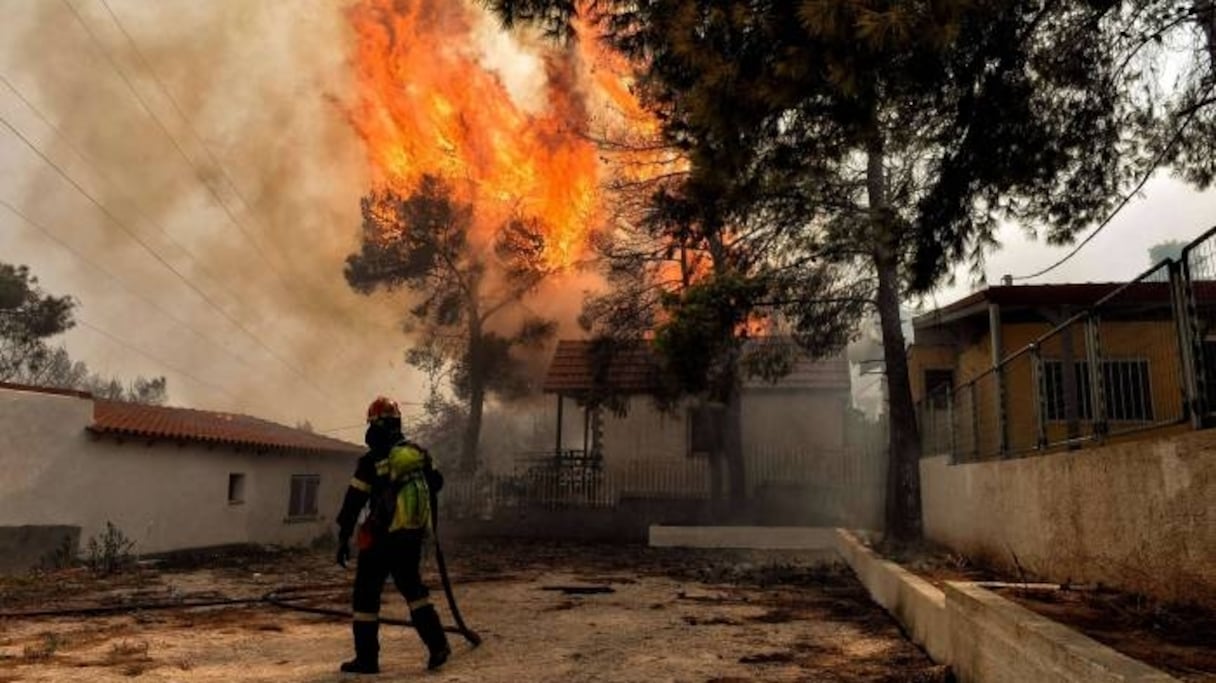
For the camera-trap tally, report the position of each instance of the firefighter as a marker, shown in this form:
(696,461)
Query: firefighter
(393,480)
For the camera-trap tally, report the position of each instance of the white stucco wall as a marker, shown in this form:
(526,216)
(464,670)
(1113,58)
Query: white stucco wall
(774,421)
(788,420)
(162,494)
(799,467)
(644,434)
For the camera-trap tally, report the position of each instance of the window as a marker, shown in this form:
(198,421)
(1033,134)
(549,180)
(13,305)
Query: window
(937,384)
(1129,395)
(303,501)
(236,488)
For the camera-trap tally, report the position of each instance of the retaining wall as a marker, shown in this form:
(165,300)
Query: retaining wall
(983,637)
(1140,516)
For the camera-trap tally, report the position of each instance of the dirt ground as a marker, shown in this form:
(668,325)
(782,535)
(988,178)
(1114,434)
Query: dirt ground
(657,615)
(1177,639)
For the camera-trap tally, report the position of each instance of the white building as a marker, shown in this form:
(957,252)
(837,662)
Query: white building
(168,478)
(800,465)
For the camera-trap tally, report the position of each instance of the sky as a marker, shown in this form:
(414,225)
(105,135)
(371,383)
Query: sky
(1166,210)
(186,172)
(194,184)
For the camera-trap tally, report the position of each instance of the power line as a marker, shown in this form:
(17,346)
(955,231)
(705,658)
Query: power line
(135,236)
(97,170)
(360,425)
(94,167)
(280,276)
(125,287)
(144,105)
(166,364)
(189,126)
(1127,197)
(159,122)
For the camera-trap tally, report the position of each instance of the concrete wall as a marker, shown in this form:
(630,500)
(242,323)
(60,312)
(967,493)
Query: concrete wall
(993,640)
(914,602)
(163,495)
(1136,515)
(783,420)
(23,547)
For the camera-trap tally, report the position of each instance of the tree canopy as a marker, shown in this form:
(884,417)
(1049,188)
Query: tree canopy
(463,296)
(29,319)
(897,135)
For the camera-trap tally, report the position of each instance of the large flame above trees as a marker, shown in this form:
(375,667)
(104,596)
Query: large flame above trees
(429,102)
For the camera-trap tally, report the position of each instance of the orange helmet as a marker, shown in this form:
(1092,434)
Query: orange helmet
(382,409)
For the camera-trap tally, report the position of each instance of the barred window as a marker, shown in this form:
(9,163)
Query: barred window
(1129,396)
(303,500)
(937,386)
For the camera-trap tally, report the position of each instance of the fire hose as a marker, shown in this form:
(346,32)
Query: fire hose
(283,597)
(468,633)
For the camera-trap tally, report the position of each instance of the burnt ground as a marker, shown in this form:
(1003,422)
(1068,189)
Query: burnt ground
(1176,638)
(650,615)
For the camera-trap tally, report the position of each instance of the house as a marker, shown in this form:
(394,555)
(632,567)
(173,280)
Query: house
(167,478)
(1006,369)
(795,449)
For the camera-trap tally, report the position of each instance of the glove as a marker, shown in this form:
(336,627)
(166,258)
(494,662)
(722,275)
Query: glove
(343,551)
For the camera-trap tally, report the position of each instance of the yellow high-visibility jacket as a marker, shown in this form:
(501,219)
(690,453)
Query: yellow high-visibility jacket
(405,468)
(396,487)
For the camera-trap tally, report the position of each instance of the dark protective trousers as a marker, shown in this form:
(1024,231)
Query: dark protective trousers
(398,554)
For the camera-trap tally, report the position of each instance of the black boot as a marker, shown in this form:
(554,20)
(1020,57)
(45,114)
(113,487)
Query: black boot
(426,620)
(367,649)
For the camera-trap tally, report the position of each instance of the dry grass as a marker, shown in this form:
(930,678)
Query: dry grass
(127,650)
(43,649)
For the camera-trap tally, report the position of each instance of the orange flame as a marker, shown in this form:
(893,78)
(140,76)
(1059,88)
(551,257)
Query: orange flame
(428,102)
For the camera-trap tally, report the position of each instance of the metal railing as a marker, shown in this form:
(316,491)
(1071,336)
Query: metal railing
(571,482)
(1141,358)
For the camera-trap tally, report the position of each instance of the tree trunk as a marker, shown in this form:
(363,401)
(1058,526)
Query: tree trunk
(477,396)
(903,518)
(729,395)
(716,485)
(1205,17)
(732,444)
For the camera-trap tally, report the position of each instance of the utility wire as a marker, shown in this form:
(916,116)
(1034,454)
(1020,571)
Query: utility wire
(361,425)
(95,168)
(123,285)
(1127,197)
(189,126)
(262,254)
(148,110)
(142,243)
(161,361)
(143,103)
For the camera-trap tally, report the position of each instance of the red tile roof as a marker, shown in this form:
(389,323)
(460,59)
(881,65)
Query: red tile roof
(632,369)
(635,370)
(202,426)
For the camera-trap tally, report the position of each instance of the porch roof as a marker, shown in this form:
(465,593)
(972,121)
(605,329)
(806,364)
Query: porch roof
(631,369)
